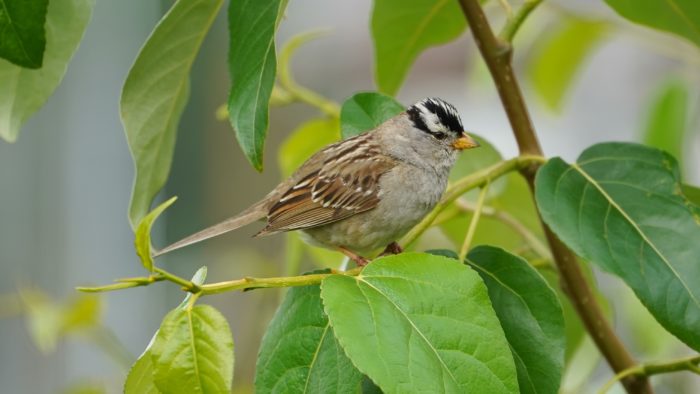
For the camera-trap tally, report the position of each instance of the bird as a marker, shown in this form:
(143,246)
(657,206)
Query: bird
(365,192)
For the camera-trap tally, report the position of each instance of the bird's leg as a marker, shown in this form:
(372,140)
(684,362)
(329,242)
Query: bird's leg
(392,248)
(359,260)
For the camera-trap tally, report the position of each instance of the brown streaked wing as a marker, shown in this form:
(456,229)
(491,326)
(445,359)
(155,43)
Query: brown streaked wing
(346,184)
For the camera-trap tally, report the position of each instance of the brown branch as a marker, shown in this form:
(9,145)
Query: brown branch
(498,55)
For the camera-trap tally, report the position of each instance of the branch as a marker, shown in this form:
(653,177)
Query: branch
(497,54)
(289,281)
(683,364)
(219,287)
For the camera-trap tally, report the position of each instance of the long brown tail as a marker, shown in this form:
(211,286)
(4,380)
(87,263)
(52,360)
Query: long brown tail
(248,216)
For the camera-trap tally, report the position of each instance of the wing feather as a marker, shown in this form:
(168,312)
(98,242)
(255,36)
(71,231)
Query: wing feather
(346,184)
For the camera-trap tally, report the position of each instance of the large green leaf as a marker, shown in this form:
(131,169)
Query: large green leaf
(420,323)
(620,206)
(193,352)
(681,17)
(530,315)
(140,377)
(299,352)
(306,140)
(155,93)
(24,91)
(668,119)
(401,30)
(561,56)
(252,66)
(365,111)
(22,26)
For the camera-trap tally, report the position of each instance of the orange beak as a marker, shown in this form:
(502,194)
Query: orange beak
(465,142)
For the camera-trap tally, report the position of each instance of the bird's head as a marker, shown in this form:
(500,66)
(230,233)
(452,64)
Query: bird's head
(440,121)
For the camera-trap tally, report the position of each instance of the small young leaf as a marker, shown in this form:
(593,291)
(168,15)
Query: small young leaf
(142,239)
(365,111)
(420,323)
(193,352)
(563,53)
(155,93)
(140,377)
(252,66)
(198,279)
(667,120)
(681,17)
(621,207)
(24,91)
(299,352)
(530,315)
(22,26)
(401,30)
(304,141)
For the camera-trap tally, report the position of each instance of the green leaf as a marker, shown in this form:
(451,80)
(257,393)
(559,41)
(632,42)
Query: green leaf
(692,193)
(401,30)
(560,58)
(22,26)
(24,91)
(365,111)
(420,323)
(667,119)
(680,17)
(44,319)
(304,141)
(155,94)
(530,315)
(197,279)
(299,352)
(193,352)
(621,207)
(48,320)
(252,66)
(142,239)
(140,377)
(83,312)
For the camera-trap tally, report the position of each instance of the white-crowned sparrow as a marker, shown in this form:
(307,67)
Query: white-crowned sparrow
(365,192)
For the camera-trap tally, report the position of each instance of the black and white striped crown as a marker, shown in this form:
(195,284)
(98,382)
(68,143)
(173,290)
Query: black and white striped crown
(435,115)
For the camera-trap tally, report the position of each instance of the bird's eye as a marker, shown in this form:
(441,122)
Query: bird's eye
(439,135)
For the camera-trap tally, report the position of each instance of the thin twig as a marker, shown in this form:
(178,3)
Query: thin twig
(515,20)
(221,287)
(683,364)
(509,220)
(471,230)
(497,54)
(295,90)
(289,281)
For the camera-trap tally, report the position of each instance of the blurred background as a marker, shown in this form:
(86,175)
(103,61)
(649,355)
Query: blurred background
(66,182)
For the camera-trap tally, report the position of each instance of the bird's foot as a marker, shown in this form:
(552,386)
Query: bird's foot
(392,248)
(359,260)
